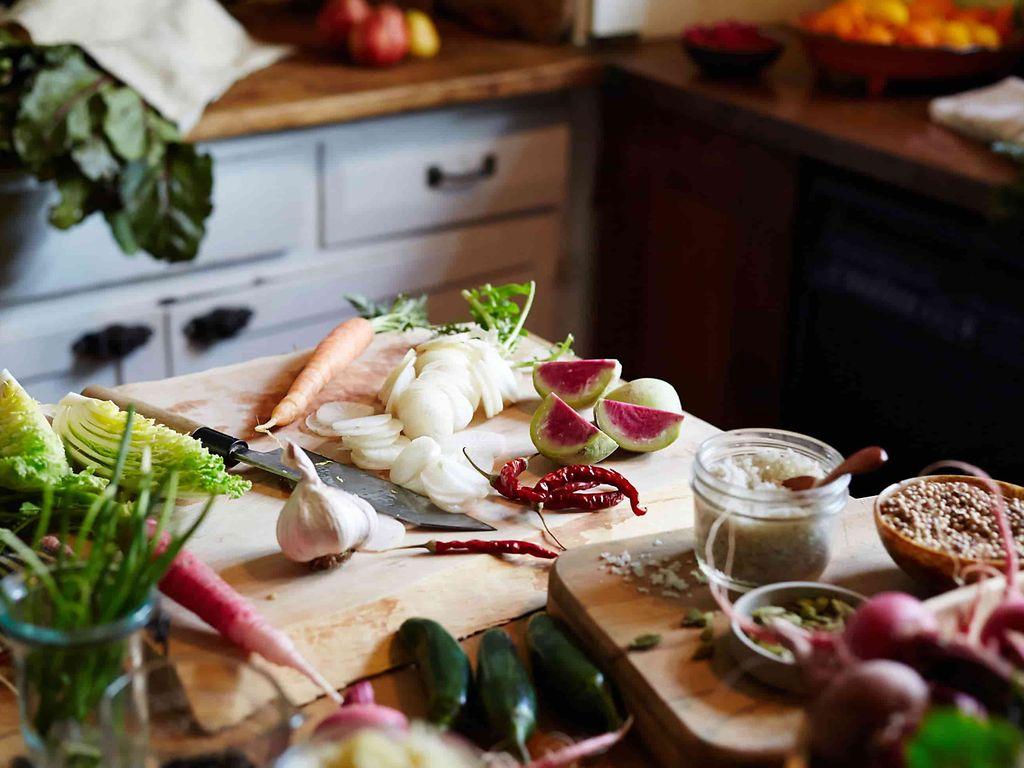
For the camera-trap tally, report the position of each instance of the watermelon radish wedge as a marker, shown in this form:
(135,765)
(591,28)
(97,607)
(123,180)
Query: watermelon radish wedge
(564,436)
(579,383)
(637,427)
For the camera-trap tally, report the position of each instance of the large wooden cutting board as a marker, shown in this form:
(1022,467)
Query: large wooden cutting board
(344,620)
(697,712)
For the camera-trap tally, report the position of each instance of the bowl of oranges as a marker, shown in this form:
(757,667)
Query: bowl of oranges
(912,40)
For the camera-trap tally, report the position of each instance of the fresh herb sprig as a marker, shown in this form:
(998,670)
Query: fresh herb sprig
(494,308)
(119,554)
(403,314)
(65,120)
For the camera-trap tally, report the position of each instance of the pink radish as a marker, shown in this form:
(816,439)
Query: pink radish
(582,749)
(360,693)
(356,717)
(196,586)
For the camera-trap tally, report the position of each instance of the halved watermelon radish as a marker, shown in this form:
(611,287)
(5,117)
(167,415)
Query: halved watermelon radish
(637,427)
(580,383)
(653,393)
(564,436)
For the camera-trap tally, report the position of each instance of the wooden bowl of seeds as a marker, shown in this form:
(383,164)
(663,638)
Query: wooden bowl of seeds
(937,527)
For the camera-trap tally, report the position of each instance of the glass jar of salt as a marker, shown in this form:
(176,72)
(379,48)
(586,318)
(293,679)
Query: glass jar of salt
(750,529)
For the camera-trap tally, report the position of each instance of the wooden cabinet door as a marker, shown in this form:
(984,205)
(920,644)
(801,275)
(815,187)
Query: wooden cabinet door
(694,258)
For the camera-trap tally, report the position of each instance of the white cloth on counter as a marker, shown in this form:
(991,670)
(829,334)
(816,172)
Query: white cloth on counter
(994,113)
(178,54)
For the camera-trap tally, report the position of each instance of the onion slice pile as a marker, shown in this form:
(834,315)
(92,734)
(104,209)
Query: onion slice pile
(375,439)
(439,386)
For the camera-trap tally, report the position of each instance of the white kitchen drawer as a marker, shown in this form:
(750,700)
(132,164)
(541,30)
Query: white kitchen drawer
(453,172)
(51,354)
(264,203)
(294,311)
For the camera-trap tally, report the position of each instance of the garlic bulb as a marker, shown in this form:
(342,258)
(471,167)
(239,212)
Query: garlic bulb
(320,521)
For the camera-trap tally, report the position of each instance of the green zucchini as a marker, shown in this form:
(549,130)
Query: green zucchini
(443,669)
(565,675)
(507,695)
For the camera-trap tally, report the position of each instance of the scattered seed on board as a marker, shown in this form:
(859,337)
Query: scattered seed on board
(953,516)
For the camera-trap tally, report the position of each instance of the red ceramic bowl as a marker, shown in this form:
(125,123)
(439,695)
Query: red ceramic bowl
(721,62)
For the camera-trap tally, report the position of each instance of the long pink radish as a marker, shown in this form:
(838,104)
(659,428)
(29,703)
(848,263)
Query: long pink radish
(581,749)
(197,587)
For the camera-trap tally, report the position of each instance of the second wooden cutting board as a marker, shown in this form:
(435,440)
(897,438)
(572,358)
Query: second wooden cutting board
(344,620)
(695,712)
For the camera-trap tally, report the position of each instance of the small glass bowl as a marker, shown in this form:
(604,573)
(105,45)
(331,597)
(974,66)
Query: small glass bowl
(191,707)
(765,535)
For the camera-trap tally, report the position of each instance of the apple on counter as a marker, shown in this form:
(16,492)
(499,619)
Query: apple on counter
(378,36)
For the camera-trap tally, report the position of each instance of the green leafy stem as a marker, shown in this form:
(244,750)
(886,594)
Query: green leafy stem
(65,120)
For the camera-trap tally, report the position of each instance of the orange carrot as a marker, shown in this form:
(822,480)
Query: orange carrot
(339,348)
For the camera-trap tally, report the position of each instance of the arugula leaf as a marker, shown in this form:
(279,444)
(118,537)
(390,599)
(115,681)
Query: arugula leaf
(950,739)
(494,308)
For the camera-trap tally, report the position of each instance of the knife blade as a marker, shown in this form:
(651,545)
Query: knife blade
(387,498)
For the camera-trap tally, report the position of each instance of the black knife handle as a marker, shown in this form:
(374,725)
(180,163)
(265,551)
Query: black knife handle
(220,444)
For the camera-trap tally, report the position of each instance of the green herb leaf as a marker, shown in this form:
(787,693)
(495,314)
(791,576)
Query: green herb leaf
(403,314)
(950,739)
(94,160)
(64,119)
(166,205)
(73,205)
(645,642)
(42,130)
(125,122)
(494,308)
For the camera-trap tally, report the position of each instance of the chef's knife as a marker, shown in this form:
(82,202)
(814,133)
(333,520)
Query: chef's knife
(387,498)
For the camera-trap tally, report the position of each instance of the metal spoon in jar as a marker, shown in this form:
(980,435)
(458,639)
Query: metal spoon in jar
(865,460)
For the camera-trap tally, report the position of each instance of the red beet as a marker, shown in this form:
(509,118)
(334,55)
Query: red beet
(882,625)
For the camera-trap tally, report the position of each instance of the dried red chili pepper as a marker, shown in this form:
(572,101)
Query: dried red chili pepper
(506,482)
(600,475)
(481,546)
(584,501)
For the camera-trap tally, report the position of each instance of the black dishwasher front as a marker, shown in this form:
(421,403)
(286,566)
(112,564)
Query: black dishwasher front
(908,331)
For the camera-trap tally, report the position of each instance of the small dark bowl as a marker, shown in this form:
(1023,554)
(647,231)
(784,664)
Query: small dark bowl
(718,62)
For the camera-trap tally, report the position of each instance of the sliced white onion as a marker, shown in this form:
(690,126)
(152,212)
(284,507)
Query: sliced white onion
(362,425)
(425,410)
(490,395)
(366,442)
(483,446)
(379,458)
(454,340)
(448,358)
(318,428)
(405,378)
(415,485)
(414,459)
(341,410)
(391,430)
(406,362)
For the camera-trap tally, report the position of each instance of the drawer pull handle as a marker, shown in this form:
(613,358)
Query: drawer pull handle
(217,325)
(115,342)
(438,178)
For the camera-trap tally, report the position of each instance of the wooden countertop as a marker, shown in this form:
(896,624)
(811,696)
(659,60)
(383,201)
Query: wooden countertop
(889,138)
(314,86)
